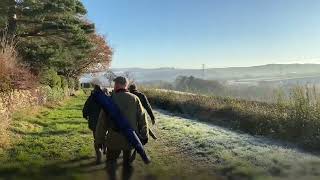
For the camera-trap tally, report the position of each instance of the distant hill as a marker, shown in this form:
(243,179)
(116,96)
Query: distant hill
(230,73)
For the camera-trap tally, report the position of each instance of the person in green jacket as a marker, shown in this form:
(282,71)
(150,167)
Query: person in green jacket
(116,143)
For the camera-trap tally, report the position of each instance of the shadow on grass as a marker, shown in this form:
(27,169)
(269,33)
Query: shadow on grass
(42,134)
(63,169)
(70,122)
(73,107)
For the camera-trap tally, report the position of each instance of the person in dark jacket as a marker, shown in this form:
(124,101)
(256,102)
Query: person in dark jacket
(144,101)
(91,111)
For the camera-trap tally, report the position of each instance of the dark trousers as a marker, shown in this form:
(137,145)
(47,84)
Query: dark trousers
(97,150)
(112,156)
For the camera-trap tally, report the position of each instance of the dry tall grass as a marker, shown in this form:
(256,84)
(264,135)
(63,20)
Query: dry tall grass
(13,77)
(7,66)
(8,62)
(13,74)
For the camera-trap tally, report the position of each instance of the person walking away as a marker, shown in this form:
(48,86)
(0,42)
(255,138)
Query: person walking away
(116,143)
(144,101)
(91,111)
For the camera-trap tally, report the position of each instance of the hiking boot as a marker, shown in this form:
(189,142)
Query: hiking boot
(98,155)
(98,158)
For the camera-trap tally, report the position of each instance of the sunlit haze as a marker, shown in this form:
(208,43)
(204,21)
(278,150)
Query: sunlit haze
(188,33)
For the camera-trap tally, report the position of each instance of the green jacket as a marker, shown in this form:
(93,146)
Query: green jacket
(132,109)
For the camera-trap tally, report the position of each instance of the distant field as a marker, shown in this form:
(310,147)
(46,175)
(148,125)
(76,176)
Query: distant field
(284,79)
(269,71)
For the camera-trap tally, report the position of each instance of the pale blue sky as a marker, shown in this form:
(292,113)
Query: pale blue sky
(218,33)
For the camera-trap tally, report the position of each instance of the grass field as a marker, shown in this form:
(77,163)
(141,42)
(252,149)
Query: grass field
(54,142)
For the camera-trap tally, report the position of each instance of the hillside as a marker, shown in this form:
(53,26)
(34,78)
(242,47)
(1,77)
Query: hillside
(230,73)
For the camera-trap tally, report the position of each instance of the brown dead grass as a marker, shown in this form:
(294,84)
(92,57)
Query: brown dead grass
(13,76)
(8,64)
(4,136)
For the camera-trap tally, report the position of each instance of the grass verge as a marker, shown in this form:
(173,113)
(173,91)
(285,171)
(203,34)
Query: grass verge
(296,120)
(45,139)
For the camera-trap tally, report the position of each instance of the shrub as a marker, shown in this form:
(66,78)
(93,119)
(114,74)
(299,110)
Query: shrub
(52,94)
(77,85)
(64,82)
(71,83)
(50,78)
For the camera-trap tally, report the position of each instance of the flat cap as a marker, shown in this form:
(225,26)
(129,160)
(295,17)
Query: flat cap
(121,80)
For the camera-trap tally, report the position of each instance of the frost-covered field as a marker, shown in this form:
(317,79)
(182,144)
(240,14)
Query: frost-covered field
(236,155)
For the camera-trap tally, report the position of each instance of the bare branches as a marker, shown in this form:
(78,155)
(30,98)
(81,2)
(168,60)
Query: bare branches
(99,58)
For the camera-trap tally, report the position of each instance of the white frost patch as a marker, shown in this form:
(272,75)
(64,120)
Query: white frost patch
(217,144)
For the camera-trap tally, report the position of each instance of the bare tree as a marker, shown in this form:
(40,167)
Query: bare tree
(110,76)
(129,76)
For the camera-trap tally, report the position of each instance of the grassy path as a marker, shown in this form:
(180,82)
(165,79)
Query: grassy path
(55,143)
(45,139)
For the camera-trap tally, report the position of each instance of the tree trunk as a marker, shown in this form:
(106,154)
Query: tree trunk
(12,18)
